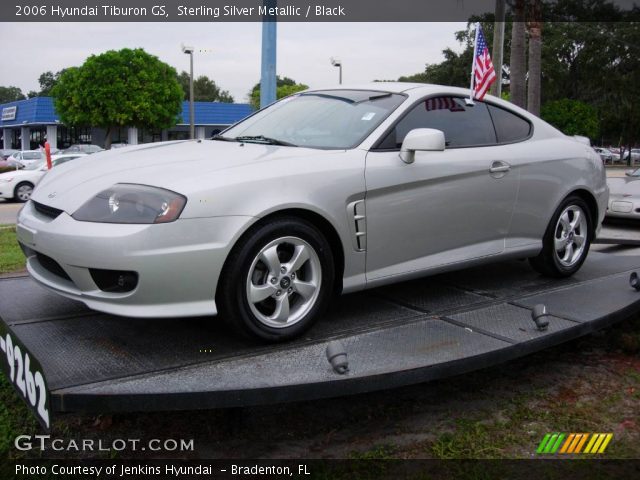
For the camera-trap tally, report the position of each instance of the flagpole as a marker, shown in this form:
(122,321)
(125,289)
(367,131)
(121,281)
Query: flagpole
(473,63)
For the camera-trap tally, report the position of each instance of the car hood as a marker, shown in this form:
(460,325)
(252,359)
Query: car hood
(185,167)
(624,186)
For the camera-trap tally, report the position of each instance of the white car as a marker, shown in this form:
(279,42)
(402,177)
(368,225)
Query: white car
(18,185)
(28,157)
(605,154)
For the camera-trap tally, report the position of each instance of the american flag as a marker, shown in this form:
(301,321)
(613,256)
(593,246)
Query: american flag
(483,71)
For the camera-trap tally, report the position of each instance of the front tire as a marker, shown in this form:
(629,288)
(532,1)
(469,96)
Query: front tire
(277,280)
(23,192)
(566,241)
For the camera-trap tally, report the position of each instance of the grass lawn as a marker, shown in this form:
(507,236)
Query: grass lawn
(11,257)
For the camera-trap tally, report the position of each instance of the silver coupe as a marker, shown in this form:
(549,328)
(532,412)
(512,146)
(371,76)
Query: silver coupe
(324,192)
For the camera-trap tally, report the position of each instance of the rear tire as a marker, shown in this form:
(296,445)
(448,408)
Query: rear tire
(566,242)
(277,280)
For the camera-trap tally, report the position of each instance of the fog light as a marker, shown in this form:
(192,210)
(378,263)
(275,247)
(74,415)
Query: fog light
(115,281)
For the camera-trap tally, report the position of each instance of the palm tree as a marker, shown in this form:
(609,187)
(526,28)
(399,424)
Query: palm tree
(535,58)
(517,61)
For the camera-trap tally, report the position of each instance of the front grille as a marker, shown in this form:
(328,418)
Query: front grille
(46,210)
(52,266)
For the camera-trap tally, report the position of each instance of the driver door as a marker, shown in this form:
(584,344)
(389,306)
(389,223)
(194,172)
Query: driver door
(447,206)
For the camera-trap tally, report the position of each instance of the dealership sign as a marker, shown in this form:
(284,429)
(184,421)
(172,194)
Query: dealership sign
(9,113)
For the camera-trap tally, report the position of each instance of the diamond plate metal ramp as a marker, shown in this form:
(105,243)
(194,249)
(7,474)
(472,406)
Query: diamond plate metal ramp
(407,333)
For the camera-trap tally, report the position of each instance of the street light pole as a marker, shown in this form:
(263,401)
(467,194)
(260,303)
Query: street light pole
(337,63)
(192,122)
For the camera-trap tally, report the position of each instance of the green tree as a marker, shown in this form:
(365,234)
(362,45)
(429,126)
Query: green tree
(47,81)
(284,86)
(204,89)
(117,89)
(594,62)
(572,117)
(10,94)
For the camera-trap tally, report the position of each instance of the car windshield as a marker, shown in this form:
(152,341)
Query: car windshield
(331,119)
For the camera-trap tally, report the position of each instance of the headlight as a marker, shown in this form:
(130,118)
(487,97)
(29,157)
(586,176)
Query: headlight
(6,180)
(129,203)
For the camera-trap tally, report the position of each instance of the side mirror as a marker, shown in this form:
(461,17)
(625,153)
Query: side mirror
(421,139)
(629,173)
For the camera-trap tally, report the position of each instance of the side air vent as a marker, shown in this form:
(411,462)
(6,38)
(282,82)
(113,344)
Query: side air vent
(357,213)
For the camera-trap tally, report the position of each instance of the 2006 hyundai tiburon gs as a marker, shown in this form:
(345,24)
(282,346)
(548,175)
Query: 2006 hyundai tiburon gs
(325,191)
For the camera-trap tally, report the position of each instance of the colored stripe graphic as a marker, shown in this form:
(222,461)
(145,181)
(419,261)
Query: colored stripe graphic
(593,439)
(603,447)
(596,445)
(555,447)
(543,443)
(550,443)
(568,443)
(582,442)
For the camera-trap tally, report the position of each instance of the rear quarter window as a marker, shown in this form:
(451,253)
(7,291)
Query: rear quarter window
(509,127)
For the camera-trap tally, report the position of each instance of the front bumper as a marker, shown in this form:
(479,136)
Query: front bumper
(7,190)
(178,264)
(627,207)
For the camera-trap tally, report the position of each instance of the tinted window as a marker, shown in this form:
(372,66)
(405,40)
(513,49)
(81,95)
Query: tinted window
(509,127)
(463,125)
(31,155)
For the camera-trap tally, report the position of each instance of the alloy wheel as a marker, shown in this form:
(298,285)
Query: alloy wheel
(283,282)
(570,237)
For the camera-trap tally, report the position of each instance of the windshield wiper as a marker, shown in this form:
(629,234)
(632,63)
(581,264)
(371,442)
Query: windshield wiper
(263,139)
(223,139)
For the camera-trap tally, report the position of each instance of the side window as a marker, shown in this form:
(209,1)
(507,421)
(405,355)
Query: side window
(463,125)
(509,126)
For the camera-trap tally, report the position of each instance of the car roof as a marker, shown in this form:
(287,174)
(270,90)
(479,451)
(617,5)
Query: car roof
(418,90)
(391,87)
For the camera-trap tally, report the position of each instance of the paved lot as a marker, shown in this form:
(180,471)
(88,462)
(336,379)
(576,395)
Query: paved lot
(8,212)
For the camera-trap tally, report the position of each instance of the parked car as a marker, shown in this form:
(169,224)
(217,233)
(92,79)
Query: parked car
(605,154)
(324,191)
(635,155)
(5,153)
(82,148)
(18,185)
(624,196)
(119,145)
(28,157)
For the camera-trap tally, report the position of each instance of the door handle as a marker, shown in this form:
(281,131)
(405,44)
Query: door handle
(499,167)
